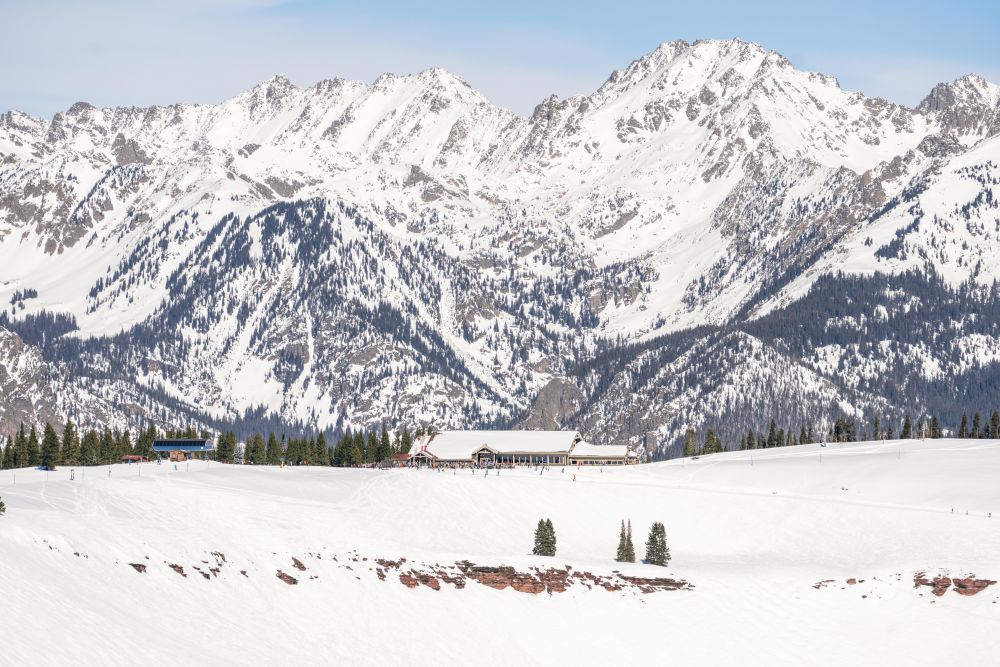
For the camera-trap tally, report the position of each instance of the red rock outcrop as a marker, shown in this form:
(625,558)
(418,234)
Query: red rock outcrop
(288,579)
(939,585)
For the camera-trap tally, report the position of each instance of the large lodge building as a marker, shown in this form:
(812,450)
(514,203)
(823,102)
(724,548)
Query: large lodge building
(502,448)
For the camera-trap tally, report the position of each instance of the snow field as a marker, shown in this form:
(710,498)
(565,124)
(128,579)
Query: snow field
(752,539)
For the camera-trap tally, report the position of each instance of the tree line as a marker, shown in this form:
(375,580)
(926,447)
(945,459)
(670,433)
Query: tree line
(105,446)
(95,447)
(845,429)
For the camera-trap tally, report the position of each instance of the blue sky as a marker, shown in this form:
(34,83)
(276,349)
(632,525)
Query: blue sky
(123,52)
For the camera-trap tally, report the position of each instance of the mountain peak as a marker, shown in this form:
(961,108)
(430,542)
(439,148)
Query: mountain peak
(969,90)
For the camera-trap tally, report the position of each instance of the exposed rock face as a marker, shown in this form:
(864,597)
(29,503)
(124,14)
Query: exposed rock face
(414,579)
(969,107)
(287,578)
(941,584)
(536,580)
(556,403)
(127,151)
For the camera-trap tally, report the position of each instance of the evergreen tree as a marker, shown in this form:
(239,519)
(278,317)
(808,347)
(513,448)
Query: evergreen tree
(295,452)
(907,432)
(273,450)
(539,548)
(354,455)
(935,428)
(70,445)
(976,427)
(34,452)
(90,448)
(225,447)
(50,448)
(629,547)
(8,454)
(690,443)
(144,442)
(712,443)
(322,450)
(117,445)
(876,428)
(963,430)
(657,552)
(340,451)
(995,425)
(772,435)
(550,533)
(21,454)
(743,443)
(3,507)
(107,450)
(751,440)
(405,440)
(620,553)
(256,452)
(804,437)
(384,447)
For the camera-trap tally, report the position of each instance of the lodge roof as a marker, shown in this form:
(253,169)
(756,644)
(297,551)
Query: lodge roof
(461,445)
(585,449)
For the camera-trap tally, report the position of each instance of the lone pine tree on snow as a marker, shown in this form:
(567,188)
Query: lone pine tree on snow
(545,539)
(50,448)
(3,508)
(626,551)
(657,552)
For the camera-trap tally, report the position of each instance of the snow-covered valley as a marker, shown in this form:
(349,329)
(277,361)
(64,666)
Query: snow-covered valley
(768,541)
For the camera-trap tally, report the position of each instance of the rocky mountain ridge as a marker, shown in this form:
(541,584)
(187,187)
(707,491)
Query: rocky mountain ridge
(348,253)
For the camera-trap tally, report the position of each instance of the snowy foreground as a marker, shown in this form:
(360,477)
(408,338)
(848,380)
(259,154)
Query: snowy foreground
(754,541)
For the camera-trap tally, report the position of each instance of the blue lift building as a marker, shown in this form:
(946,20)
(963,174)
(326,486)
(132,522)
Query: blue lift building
(181,449)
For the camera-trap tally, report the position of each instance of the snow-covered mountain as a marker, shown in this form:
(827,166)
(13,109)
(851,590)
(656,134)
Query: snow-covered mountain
(348,253)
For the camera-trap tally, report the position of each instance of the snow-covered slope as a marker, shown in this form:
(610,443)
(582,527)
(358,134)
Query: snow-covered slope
(346,252)
(802,555)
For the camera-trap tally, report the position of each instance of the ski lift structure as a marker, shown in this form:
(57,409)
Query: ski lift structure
(181,449)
